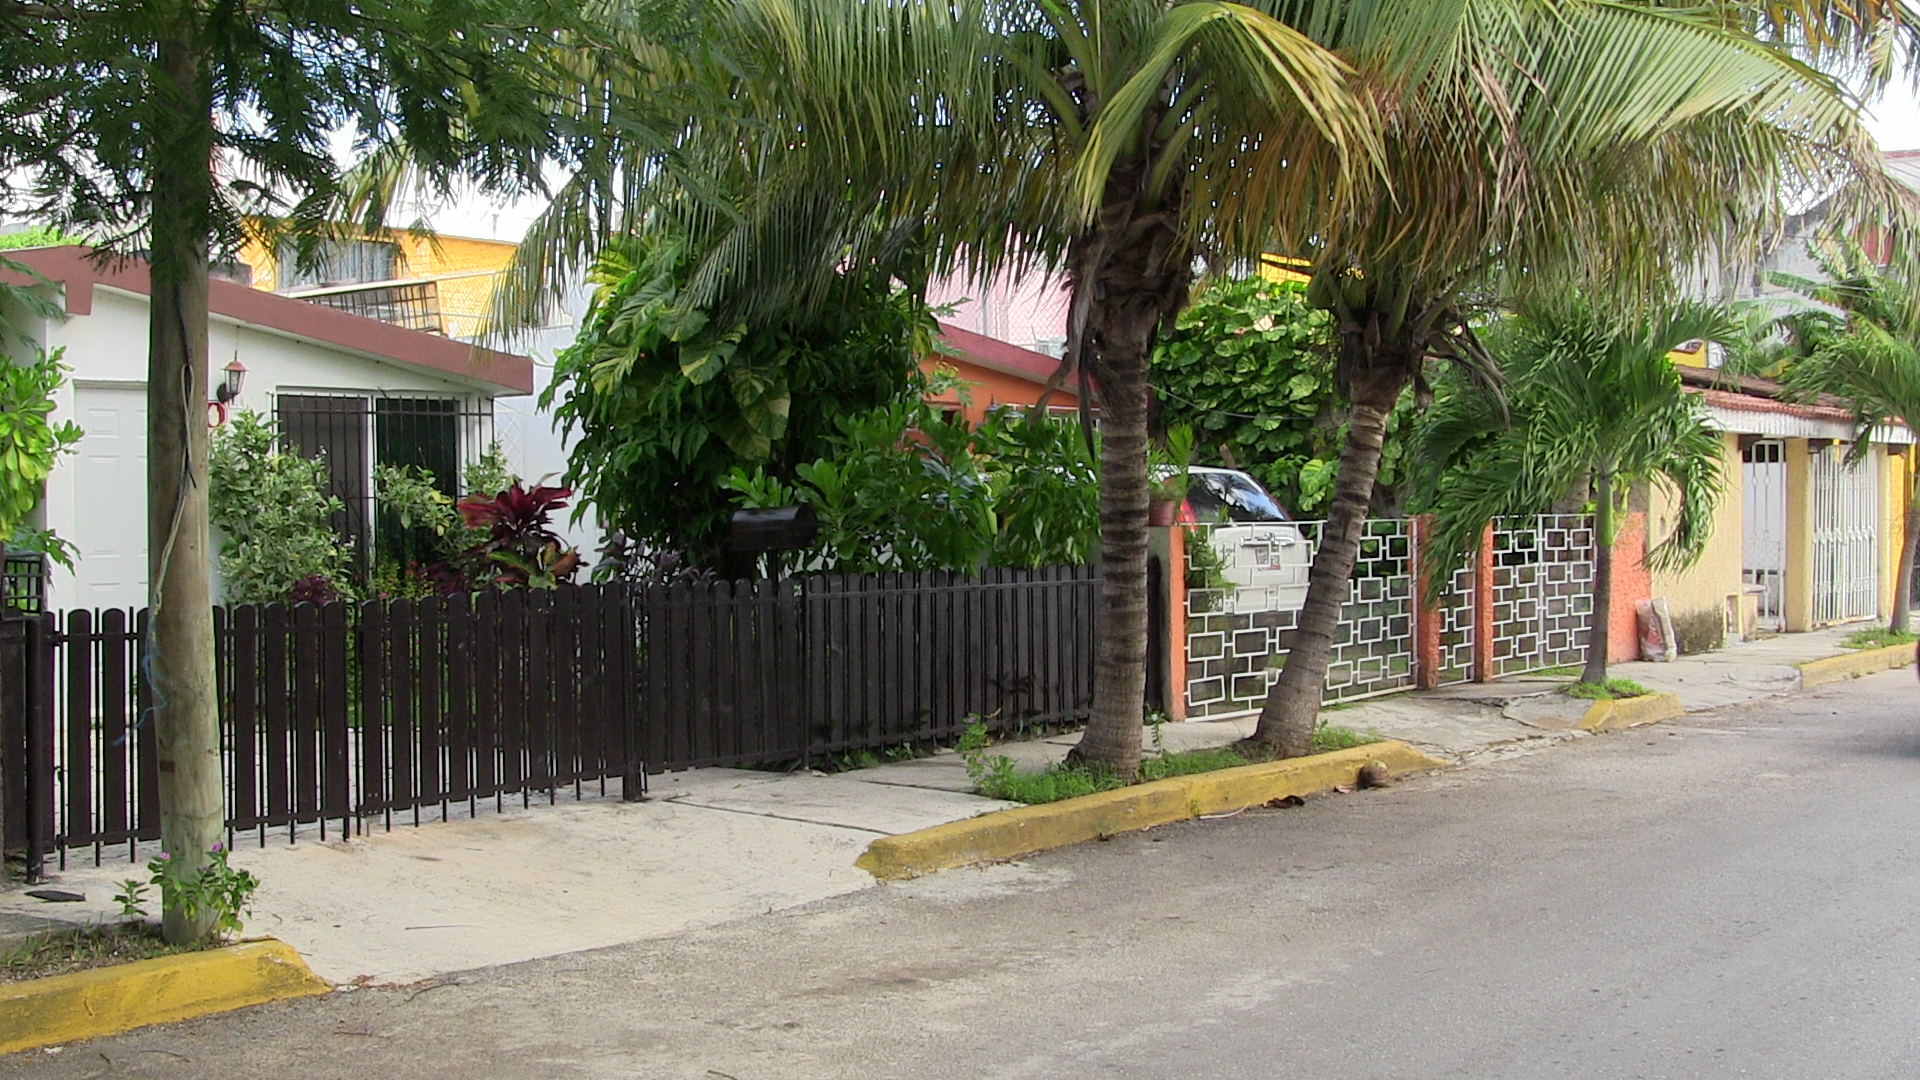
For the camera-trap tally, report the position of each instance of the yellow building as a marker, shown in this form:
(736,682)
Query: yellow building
(441,284)
(1802,538)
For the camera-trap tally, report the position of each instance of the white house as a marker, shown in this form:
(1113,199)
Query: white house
(363,391)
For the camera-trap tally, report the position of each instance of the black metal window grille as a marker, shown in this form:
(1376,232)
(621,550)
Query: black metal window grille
(358,433)
(414,305)
(23,584)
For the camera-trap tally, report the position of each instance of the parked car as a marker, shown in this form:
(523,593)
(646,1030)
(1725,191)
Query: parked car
(1264,554)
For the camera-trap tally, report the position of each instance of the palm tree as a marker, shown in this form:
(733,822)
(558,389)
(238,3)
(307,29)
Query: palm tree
(1869,358)
(1412,148)
(1596,407)
(1565,145)
(1119,140)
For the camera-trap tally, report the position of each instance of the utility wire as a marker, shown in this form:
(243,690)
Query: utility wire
(1163,391)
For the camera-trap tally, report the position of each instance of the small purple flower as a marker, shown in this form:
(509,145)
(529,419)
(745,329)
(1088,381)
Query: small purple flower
(217,847)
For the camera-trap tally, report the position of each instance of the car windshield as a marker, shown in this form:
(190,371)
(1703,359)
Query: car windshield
(1231,496)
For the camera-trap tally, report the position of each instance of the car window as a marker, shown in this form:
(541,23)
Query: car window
(1231,496)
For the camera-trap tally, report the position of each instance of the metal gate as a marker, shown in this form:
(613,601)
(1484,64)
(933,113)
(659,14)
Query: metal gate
(1542,591)
(1763,528)
(1845,504)
(1246,586)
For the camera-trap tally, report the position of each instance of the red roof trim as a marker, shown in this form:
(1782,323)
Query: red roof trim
(1728,399)
(73,269)
(1004,357)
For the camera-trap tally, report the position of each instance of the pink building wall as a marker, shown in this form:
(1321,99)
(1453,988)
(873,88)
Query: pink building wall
(1030,312)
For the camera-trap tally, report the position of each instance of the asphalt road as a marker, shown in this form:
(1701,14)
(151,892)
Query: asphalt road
(1733,894)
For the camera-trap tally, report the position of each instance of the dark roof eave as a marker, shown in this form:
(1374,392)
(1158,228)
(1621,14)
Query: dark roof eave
(77,272)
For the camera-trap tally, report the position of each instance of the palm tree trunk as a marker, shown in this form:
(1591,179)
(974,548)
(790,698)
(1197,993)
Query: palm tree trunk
(1902,618)
(1596,669)
(1112,738)
(186,714)
(1131,275)
(1293,706)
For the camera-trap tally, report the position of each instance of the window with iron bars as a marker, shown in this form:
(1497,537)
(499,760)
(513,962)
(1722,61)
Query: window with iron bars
(360,432)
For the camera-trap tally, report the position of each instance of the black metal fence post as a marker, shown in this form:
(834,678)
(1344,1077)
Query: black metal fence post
(40,746)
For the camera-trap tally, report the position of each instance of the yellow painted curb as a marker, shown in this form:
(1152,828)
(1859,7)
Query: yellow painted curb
(1854,665)
(1006,834)
(1631,712)
(108,1000)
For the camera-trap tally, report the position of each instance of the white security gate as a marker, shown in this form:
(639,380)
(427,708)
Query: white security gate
(1542,592)
(1845,506)
(1246,584)
(1763,527)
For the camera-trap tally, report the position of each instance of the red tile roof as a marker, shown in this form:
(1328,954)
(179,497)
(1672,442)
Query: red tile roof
(999,355)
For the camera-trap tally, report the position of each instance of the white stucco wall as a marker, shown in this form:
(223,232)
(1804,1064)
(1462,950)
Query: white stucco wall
(107,352)
(530,437)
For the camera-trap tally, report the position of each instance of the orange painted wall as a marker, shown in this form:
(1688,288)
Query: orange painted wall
(1632,583)
(986,388)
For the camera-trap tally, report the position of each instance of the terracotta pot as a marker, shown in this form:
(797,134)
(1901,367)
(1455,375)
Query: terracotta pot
(1160,512)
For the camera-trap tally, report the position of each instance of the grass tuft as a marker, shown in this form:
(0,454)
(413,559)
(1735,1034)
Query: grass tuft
(1328,738)
(58,952)
(1878,637)
(997,778)
(1607,691)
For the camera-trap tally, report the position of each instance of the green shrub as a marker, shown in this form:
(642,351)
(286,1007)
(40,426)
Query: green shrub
(1607,691)
(275,516)
(30,442)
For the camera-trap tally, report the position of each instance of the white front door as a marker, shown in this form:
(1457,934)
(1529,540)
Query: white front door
(110,499)
(1763,527)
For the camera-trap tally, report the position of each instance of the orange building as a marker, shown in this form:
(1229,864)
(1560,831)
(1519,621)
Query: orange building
(994,373)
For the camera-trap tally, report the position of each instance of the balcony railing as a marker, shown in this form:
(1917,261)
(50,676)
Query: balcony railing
(412,304)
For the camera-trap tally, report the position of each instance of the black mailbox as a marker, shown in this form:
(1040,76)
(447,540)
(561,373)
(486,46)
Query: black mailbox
(774,528)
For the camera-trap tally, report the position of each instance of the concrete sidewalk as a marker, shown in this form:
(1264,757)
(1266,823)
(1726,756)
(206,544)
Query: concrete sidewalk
(714,845)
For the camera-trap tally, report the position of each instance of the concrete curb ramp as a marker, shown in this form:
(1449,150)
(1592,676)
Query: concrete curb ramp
(1854,665)
(109,1000)
(1631,712)
(1006,834)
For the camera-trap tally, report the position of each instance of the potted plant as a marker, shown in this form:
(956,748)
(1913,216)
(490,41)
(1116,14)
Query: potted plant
(1167,474)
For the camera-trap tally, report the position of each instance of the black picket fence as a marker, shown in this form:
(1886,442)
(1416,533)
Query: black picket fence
(342,715)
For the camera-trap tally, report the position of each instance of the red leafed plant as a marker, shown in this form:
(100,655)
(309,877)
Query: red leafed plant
(521,549)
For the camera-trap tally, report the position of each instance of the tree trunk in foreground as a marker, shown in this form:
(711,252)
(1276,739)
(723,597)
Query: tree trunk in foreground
(1597,630)
(1112,738)
(186,714)
(1138,272)
(1902,618)
(1293,705)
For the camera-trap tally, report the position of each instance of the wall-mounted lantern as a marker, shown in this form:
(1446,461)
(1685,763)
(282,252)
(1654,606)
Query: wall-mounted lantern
(236,375)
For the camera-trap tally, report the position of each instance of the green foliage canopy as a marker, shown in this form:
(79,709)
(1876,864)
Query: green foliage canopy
(667,404)
(468,86)
(904,488)
(1592,399)
(30,443)
(1250,367)
(1868,355)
